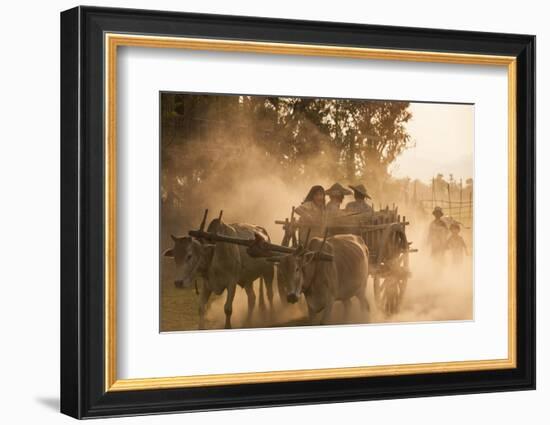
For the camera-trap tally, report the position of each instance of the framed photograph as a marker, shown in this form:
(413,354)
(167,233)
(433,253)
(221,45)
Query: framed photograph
(261,212)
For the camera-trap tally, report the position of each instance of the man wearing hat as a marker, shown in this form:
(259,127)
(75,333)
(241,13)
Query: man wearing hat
(359,205)
(437,234)
(336,194)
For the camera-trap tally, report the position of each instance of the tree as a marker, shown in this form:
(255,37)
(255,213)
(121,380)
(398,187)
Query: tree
(361,137)
(306,137)
(370,135)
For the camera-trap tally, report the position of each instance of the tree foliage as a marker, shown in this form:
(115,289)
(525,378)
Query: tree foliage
(343,139)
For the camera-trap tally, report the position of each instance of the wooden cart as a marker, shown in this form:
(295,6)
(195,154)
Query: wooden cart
(384,234)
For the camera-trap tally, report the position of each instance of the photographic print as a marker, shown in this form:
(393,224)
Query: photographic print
(296,211)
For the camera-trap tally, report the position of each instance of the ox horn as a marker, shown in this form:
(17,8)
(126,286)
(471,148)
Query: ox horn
(203,222)
(220,216)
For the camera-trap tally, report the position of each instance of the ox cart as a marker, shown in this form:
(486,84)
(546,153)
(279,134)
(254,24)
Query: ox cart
(383,232)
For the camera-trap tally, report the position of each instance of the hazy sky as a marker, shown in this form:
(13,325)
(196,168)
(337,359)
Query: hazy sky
(443,136)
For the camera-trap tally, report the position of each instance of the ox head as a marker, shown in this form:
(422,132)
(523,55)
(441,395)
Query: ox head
(297,270)
(190,257)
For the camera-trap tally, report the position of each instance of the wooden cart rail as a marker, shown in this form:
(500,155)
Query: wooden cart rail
(365,227)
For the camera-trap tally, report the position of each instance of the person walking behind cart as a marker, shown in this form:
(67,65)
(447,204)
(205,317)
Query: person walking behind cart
(336,195)
(312,213)
(456,245)
(437,235)
(359,205)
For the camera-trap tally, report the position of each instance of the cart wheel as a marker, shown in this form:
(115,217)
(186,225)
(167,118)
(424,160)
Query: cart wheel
(389,291)
(390,283)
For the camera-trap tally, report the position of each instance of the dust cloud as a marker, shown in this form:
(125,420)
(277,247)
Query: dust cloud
(435,292)
(255,191)
(229,170)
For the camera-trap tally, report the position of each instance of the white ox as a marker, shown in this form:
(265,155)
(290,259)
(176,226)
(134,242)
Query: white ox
(221,266)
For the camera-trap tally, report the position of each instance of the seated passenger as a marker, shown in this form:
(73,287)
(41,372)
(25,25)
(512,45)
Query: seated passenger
(312,213)
(359,205)
(336,194)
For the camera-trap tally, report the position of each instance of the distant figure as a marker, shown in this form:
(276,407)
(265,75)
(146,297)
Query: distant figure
(456,245)
(312,213)
(437,234)
(359,205)
(336,194)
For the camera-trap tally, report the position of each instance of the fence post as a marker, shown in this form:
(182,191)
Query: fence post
(460,204)
(433,192)
(449,197)
(471,203)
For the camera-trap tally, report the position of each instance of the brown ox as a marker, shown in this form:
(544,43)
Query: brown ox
(324,282)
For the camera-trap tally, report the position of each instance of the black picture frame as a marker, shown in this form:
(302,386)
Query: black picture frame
(82,212)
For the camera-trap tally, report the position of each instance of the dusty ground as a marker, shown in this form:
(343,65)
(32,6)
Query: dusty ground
(433,294)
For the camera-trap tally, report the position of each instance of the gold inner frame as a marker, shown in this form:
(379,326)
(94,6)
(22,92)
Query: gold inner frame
(113,41)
